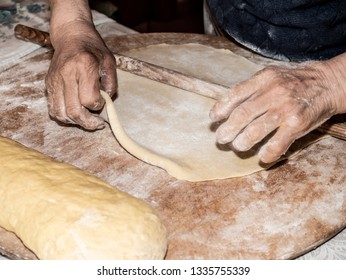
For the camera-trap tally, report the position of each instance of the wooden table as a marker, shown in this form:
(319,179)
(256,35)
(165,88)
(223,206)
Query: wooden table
(275,214)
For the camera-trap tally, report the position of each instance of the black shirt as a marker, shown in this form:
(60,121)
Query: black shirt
(294,30)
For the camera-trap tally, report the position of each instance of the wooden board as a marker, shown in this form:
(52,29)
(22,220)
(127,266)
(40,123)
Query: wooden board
(275,214)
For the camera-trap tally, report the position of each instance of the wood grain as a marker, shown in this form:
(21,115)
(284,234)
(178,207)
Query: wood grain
(32,35)
(276,214)
(136,66)
(163,75)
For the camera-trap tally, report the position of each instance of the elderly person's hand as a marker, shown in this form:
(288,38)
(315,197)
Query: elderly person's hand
(80,67)
(287,103)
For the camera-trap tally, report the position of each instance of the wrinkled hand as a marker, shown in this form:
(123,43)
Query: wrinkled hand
(286,102)
(80,67)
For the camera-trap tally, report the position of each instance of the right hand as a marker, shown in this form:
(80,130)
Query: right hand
(285,102)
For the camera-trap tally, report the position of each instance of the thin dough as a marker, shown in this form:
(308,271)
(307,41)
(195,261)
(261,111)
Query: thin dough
(169,127)
(177,131)
(220,66)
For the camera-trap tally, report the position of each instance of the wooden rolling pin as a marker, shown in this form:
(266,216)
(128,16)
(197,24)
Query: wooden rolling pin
(167,76)
(336,129)
(137,67)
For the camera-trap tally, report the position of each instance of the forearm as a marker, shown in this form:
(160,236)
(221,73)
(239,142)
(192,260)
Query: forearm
(66,13)
(336,73)
(81,65)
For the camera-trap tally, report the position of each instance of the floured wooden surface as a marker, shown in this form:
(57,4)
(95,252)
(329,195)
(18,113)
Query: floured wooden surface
(275,214)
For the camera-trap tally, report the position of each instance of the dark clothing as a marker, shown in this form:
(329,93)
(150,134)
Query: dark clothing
(294,30)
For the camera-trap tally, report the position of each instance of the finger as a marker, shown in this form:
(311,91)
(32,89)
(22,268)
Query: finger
(240,118)
(223,108)
(277,146)
(89,89)
(255,132)
(75,111)
(56,103)
(108,75)
(238,94)
(50,102)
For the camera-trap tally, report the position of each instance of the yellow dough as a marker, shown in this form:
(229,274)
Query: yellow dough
(62,212)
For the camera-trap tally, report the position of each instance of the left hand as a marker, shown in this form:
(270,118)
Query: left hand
(288,102)
(80,67)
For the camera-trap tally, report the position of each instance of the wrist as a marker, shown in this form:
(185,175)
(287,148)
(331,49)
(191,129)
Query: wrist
(335,71)
(67,18)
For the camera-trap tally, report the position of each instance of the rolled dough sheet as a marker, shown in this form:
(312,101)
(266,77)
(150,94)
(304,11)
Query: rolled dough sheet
(174,124)
(220,66)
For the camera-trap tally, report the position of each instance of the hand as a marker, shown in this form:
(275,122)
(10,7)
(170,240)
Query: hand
(281,102)
(80,67)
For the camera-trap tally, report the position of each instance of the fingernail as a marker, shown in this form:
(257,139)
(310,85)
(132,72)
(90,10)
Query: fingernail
(101,126)
(213,114)
(264,157)
(98,104)
(222,137)
(102,72)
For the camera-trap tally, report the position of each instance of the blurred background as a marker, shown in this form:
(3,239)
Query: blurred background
(154,15)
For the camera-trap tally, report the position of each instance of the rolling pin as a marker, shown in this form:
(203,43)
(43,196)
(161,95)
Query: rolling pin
(167,76)
(137,67)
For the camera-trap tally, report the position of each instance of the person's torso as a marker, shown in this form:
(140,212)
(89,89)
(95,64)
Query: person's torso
(289,30)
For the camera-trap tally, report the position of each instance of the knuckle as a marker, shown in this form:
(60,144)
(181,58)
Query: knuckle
(85,60)
(85,57)
(269,72)
(244,141)
(276,78)
(273,118)
(109,62)
(63,119)
(89,96)
(66,69)
(94,103)
(271,151)
(52,113)
(242,112)
(58,113)
(249,135)
(82,61)
(296,123)
(51,109)
(73,112)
